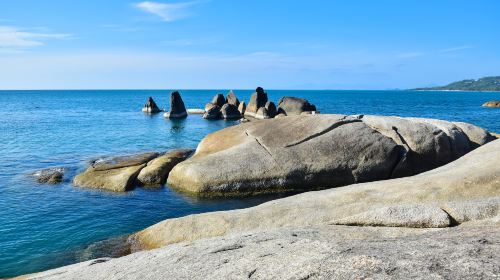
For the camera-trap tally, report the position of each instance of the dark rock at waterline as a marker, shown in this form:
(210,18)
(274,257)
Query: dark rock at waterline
(219,100)
(50,175)
(294,106)
(109,248)
(232,99)
(213,113)
(209,106)
(177,108)
(271,109)
(230,112)
(257,100)
(151,107)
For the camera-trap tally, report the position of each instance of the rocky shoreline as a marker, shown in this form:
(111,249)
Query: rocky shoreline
(441,223)
(383,197)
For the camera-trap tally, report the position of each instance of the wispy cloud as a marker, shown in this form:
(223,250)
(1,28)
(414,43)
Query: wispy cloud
(410,54)
(13,38)
(454,49)
(167,11)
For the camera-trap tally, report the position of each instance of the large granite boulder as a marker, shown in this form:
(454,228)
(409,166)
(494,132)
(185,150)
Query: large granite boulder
(213,112)
(443,223)
(218,100)
(177,108)
(230,112)
(150,107)
(492,104)
(257,100)
(262,114)
(311,152)
(294,106)
(232,99)
(464,191)
(156,171)
(50,176)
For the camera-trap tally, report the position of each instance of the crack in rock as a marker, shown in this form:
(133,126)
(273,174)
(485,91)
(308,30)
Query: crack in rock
(228,248)
(341,122)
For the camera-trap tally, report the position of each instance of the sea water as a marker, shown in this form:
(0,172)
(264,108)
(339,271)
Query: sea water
(45,226)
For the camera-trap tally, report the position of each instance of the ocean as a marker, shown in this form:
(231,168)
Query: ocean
(44,226)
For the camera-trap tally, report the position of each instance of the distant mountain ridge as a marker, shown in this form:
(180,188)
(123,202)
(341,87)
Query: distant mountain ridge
(482,84)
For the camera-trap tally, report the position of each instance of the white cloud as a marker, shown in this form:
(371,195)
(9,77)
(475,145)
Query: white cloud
(454,49)
(167,11)
(12,38)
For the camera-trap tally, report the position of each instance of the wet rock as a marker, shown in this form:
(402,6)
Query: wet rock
(150,107)
(50,175)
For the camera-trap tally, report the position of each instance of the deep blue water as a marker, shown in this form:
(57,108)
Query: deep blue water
(45,226)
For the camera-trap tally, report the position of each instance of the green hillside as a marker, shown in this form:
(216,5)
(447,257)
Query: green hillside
(482,84)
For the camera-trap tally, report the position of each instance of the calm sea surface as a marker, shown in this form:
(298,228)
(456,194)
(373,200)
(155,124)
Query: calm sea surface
(43,226)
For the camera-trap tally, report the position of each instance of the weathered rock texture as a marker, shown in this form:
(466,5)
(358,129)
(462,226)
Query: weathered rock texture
(177,108)
(300,237)
(294,106)
(212,112)
(151,107)
(121,174)
(218,100)
(492,104)
(320,151)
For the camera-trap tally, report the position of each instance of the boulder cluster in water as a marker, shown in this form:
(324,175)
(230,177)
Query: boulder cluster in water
(231,108)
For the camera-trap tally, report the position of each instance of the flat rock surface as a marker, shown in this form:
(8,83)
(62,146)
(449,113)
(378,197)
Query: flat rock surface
(326,252)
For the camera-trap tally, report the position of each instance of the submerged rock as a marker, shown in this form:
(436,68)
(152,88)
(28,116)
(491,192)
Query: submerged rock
(151,107)
(50,175)
(257,100)
(316,152)
(156,171)
(213,112)
(230,112)
(177,108)
(232,99)
(294,106)
(492,104)
(218,100)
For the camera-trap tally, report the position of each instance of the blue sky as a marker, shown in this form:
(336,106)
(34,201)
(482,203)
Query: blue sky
(295,44)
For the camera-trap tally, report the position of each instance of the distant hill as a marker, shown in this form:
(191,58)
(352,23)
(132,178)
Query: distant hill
(482,84)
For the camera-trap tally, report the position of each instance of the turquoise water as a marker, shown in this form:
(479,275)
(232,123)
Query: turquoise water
(47,226)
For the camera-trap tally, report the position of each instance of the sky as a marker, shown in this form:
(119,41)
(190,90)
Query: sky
(241,44)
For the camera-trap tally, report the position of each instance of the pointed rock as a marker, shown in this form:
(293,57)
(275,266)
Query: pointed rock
(271,109)
(232,99)
(257,100)
(219,100)
(242,108)
(151,107)
(177,108)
